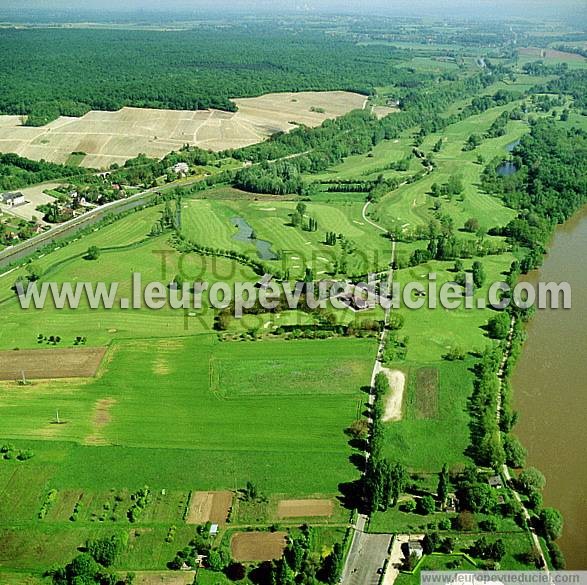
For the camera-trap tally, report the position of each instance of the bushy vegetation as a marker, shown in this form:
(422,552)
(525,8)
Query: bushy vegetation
(17,172)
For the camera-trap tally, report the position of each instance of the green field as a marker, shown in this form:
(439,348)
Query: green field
(223,434)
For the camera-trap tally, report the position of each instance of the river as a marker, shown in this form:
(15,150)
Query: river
(549,384)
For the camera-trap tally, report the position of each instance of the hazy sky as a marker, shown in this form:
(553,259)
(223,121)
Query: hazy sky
(524,8)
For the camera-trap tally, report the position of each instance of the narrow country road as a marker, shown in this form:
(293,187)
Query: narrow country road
(368,552)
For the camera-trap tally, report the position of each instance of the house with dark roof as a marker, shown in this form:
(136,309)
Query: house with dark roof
(13,199)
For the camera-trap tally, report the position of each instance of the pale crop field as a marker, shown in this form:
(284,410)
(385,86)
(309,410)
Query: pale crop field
(114,137)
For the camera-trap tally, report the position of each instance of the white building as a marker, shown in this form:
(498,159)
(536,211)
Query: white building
(13,199)
(181,168)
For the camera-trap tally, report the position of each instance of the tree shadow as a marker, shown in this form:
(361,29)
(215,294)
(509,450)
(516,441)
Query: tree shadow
(351,495)
(359,461)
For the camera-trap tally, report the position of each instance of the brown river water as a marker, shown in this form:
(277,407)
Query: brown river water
(550,383)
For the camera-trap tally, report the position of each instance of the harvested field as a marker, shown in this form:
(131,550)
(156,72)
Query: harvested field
(426,401)
(114,137)
(50,363)
(209,507)
(258,546)
(304,508)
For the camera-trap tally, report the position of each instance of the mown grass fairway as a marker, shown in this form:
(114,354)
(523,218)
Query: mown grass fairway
(212,223)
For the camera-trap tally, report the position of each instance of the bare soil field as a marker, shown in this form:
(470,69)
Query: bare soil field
(50,363)
(382,111)
(426,402)
(209,507)
(101,417)
(258,546)
(304,508)
(393,405)
(114,137)
(550,54)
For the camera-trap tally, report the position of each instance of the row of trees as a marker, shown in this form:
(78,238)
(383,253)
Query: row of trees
(384,481)
(17,172)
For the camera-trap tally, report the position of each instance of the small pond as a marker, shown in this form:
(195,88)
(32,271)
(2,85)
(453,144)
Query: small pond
(245,234)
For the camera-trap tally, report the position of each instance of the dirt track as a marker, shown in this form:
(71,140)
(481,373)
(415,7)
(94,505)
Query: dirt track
(393,406)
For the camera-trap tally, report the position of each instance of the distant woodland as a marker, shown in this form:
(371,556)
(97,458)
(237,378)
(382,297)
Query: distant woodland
(47,73)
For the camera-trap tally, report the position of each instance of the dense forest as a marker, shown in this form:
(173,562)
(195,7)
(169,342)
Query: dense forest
(47,73)
(17,172)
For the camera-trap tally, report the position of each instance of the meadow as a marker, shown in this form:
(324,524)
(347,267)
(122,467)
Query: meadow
(206,415)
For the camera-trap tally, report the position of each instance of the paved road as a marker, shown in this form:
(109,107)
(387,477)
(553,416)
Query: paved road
(366,557)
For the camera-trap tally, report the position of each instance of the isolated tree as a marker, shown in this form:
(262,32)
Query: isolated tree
(251,491)
(296,555)
(443,485)
(93,253)
(215,561)
(426,505)
(333,565)
(515,452)
(472,225)
(301,208)
(105,550)
(34,272)
(437,146)
(498,326)
(430,542)
(466,521)
(399,478)
(478,274)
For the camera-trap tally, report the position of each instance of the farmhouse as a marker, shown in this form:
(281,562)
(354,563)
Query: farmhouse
(13,199)
(181,168)
(356,302)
